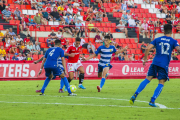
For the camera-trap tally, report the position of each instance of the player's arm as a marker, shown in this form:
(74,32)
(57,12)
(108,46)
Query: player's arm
(42,65)
(35,62)
(66,53)
(148,48)
(120,51)
(90,57)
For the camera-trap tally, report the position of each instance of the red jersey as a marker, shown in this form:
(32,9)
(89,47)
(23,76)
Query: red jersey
(170,7)
(26,20)
(85,17)
(75,10)
(151,27)
(48,9)
(73,49)
(101,10)
(26,40)
(134,16)
(175,22)
(63,41)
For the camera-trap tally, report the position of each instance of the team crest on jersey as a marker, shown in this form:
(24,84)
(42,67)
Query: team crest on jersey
(106,64)
(79,49)
(110,50)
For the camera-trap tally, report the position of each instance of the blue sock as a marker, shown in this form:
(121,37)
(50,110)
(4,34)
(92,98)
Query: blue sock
(61,84)
(66,83)
(142,86)
(157,92)
(102,82)
(46,82)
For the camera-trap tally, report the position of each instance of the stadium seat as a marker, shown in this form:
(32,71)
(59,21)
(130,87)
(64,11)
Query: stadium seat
(113,25)
(139,15)
(117,40)
(106,29)
(128,51)
(124,45)
(134,46)
(43,45)
(98,24)
(133,51)
(136,57)
(12,6)
(84,51)
(86,40)
(105,19)
(23,7)
(28,7)
(153,15)
(69,39)
(105,5)
(1,27)
(103,24)
(130,46)
(110,5)
(139,45)
(73,40)
(138,51)
(1,44)
(136,10)
(127,40)
(92,40)
(144,15)
(85,9)
(48,28)
(11,22)
(17,22)
(115,14)
(41,39)
(122,41)
(132,40)
(108,24)
(97,45)
(108,10)
(40,56)
(35,57)
(18,6)
(149,15)
(42,28)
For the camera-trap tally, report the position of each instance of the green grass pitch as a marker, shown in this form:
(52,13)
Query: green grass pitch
(18,101)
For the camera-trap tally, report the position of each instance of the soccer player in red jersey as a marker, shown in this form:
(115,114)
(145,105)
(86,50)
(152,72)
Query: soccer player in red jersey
(74,63)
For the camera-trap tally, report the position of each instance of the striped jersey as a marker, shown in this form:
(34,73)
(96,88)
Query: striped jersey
(60,62)
(106,54)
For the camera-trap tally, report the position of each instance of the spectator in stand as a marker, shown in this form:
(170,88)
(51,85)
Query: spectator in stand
(22,47)
(103,11)
(18,40)
(86,2)
(3,51)
(132,58)
(87,17)
(168,16)
(17,14)
(95,11)
(72,27)
(8,56)
(79,28)
(178,8)
(36,48)
(115,58)
(48,8)
(52,2)
(109,34)
(91,27)
(143,47)
(121,28)
(61,27)
(131,4)
(59,34)
(124,18)
(2,6)
(99,16)
(55,15)
(1,57)
(12,33)
(63,41)
(83,42)
(169,7)
(69,10)
(75,10)
(178,28)
(40,4)
(7,14)
(15,57)
(91,48)
(29,58)
(45,14)
(50,41)
(98,37)
(12,48)
(1,35)
(163,9)
(117,8)
(20,57)
(162,27)
(173,17)
(75,18)
(132,22)
(27,39)
(137,21)
(37,19)
(30,47)
(33,7)
(124,6)
(158,23)
(7,40)
(144,28)
(152,30)
(53,34)
(68,19)
(121,57)
(26,51)
(115,43)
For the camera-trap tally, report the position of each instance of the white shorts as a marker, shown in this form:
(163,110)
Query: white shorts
(74,66)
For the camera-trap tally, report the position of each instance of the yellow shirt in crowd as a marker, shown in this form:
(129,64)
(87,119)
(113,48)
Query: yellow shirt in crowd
(3,52)
(1,34)
(60,8)
(91,26)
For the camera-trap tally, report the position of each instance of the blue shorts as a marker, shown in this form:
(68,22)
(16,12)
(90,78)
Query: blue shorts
(100,68)
(61,69)
(154,31)
(55,71)
(158,72)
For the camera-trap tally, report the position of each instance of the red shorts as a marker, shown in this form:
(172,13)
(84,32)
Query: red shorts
(12,46)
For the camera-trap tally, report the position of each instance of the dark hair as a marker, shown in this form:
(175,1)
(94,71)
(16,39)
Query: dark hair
(57,42)
(167,29)
(107,37)
(78,39)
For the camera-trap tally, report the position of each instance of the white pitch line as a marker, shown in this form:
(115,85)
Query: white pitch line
(160,105)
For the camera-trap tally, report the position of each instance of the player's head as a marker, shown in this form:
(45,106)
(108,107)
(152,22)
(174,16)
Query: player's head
(57,43)
(167,29)
(107,40)
(77,42)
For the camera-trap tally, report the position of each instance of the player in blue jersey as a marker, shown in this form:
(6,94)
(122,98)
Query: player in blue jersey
(159,68)
(50,64)
(104,65)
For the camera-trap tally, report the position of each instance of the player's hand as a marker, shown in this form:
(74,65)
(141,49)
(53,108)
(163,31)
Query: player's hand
(35,62)
(72,55)
(84,59)
(65,72)
(40,71)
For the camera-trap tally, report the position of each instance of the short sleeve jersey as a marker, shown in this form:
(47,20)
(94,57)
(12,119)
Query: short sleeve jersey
(106,54)
(52,55)
(164,46)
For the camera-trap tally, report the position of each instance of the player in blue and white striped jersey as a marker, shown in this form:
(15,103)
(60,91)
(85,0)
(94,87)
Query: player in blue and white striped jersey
(104,65)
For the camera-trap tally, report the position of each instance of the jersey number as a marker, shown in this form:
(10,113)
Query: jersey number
(163,51)
(52,52)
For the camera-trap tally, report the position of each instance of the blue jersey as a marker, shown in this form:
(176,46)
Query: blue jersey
(106,54)
(60,62)
(52,56)
(164,46)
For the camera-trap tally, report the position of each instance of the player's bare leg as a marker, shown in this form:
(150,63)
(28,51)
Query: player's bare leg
(104,73)
(140,88)
(157,92)
(81,77)
(71,76)
(66,84)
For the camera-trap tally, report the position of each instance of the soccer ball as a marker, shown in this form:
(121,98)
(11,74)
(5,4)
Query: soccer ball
(73,88)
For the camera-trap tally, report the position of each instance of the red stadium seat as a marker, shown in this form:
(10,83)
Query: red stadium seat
(42,28)
(41,39)
(92,40)
(84,51)
(40,56)
(106,29)
(23,6)
(127,41)
(139,45)
(115,14)
(136,11)
(149,15)
(138,5)
(130,46)
(12,6)
(136,57)
(18,6)
(132,10)
(139,15)
(133,51)
(73,40)
(103,24)
(11,22)
(105,5)
(144,15)
(153,15)
(146,10)
(1,44)
(128,51)
(1,27)
(86,40)
(105,19)
(43,45)
(110,5)
(122,41)
(69,39)
(117,40)
(120,14)
(124,45)
(85,9)
(113,25)
(108,24)
(132,40)
(82,13)
(98,24)
(35,57)
(108,10)
(97,45)
(134,46)
(138,51)
(48,28)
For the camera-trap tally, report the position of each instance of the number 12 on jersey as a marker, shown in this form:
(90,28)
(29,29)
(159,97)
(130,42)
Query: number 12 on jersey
(163,49)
